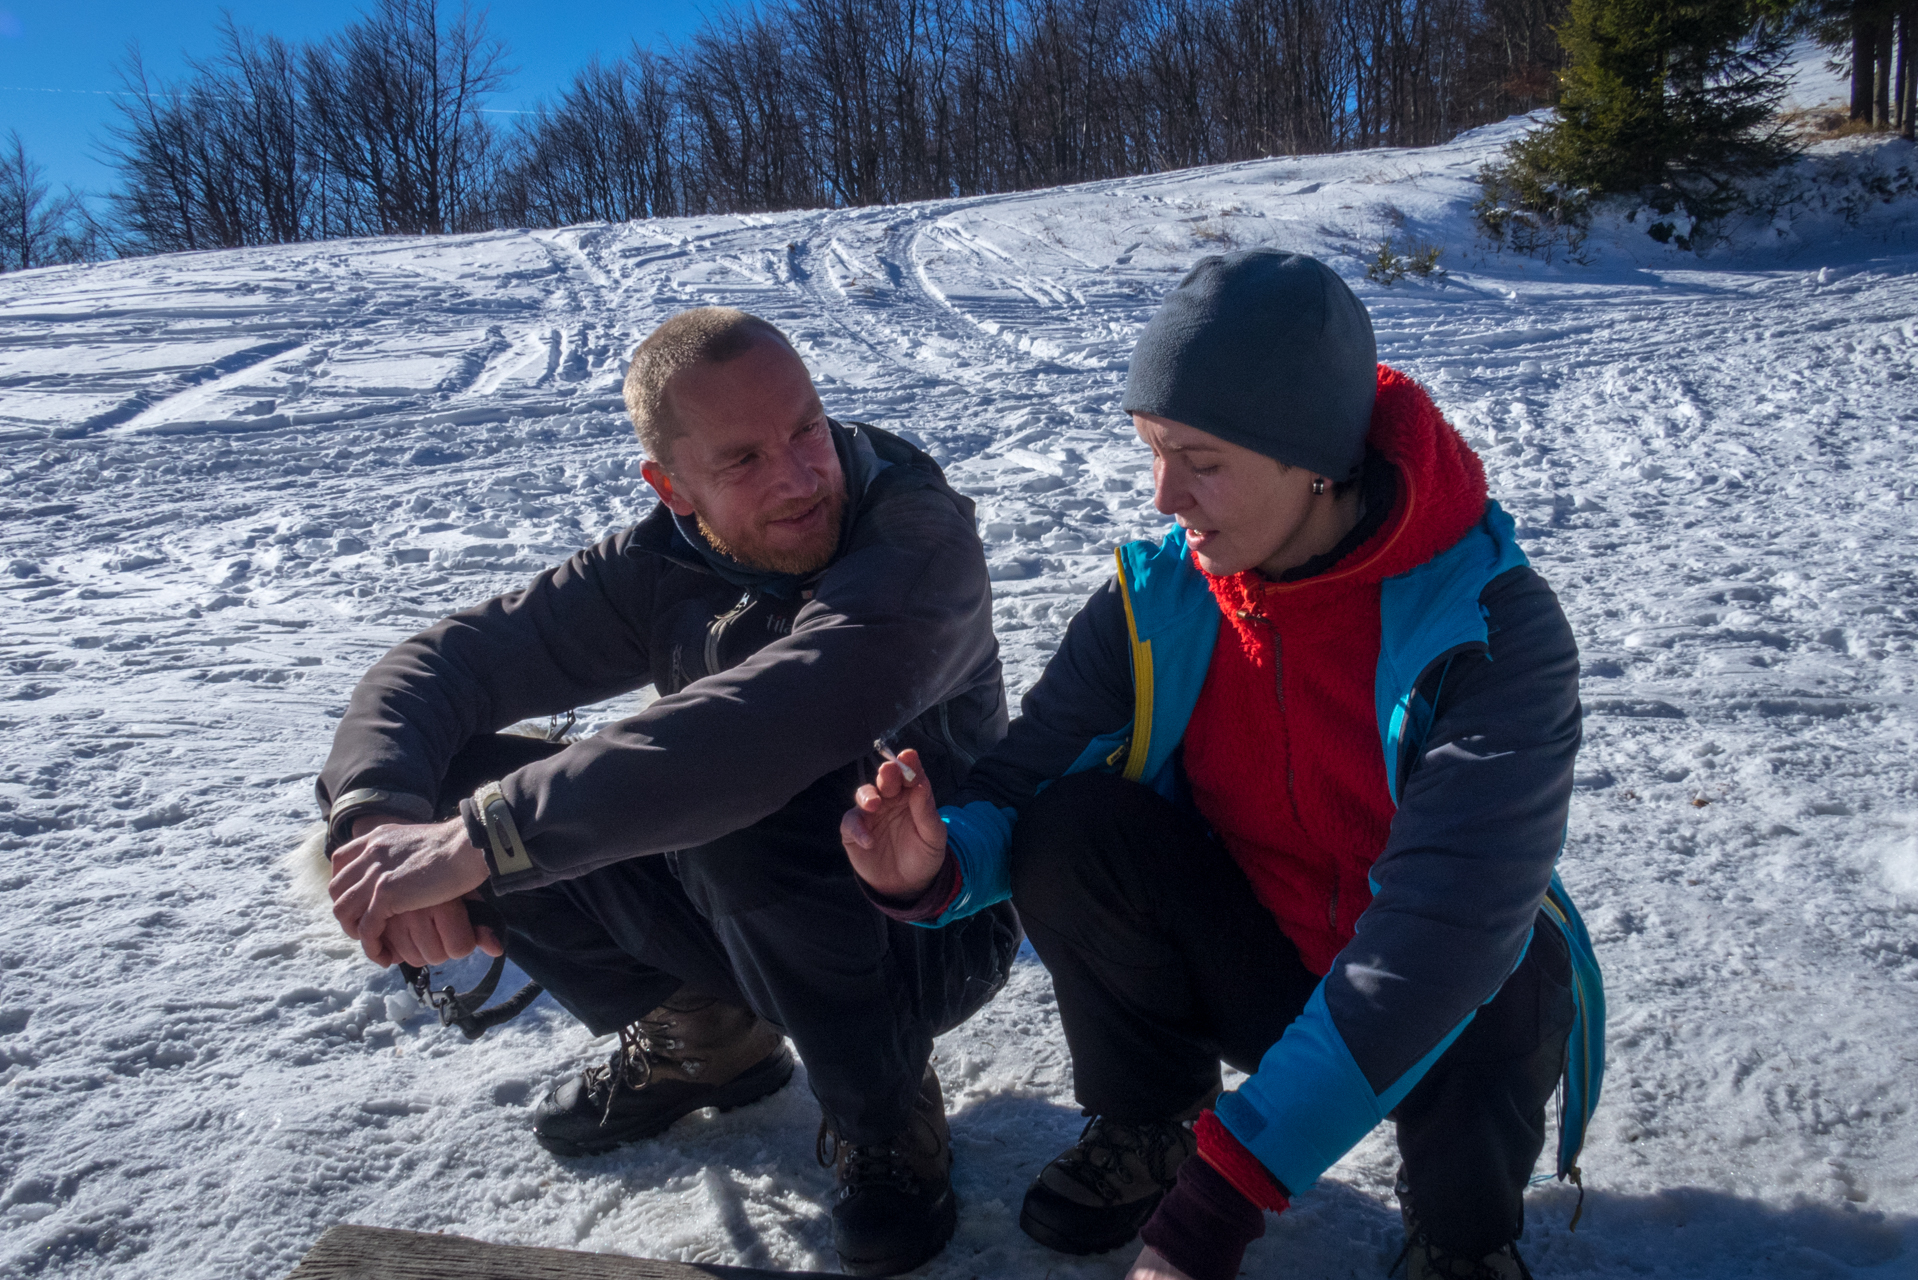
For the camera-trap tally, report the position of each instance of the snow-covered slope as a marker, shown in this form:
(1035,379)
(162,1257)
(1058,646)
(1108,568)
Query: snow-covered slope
(231,480)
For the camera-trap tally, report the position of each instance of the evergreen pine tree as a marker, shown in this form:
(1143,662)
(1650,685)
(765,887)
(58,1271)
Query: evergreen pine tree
(1668,100)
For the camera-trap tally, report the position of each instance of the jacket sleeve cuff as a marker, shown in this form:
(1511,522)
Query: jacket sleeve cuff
(364,800)
(1203,1225)
(979,839)
(1226,1154)
(490,827)
(929,905)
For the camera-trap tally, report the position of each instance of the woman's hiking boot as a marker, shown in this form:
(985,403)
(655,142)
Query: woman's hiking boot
(1098,1193)
(893,1208)
(1424,1260)
(690,1052)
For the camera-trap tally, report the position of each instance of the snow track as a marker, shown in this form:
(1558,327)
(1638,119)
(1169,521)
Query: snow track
(232,480)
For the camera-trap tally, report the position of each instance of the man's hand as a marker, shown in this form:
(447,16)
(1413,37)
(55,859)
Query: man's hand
(892,833)
(397,888)
(1151,1265)
(433,935)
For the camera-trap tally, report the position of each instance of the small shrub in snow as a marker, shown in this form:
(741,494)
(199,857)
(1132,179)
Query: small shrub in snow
(1522,210)
(1844,182)
(1389,266)
(1844,186)
(1847,183)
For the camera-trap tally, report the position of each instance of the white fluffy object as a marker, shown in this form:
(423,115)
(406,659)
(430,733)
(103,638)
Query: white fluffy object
(307,868)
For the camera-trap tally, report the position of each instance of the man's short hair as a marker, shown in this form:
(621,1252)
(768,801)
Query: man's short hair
(700,336)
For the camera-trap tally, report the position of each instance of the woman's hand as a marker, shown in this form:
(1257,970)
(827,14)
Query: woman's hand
(1150,1265)
(893,833)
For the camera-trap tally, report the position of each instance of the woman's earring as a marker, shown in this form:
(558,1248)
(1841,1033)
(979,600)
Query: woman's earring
(1318,486)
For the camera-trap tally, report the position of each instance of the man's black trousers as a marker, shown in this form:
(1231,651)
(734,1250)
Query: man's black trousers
(770,917)
(1164,963)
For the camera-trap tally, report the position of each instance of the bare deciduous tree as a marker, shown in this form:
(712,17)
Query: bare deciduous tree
(37,227)
(851,102)
(796,103)
(395,112)
(607,151)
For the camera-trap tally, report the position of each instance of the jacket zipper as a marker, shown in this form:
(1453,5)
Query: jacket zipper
(1278,669)
(1291,774)
(1278,686)
(716,630)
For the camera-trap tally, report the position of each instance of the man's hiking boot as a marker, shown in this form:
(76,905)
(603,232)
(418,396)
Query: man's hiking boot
(1424,1260)
(893,1208)
(1098,1193)
(691,1052)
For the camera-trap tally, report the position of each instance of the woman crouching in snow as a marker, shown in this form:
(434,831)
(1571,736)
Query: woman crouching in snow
(1290,795)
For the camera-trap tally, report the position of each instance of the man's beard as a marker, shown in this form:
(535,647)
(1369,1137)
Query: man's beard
(808,558)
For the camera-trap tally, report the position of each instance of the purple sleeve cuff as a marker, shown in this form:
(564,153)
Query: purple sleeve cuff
(929,905)
(1203,1225)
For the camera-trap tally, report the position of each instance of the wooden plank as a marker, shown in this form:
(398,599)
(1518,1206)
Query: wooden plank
(381,1253)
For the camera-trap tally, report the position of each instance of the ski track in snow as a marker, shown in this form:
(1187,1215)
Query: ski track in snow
(232,480)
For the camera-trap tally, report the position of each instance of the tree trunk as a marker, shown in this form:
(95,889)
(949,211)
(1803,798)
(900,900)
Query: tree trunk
(1864,58)
(1881,86)
(1900,73)
(1907,79)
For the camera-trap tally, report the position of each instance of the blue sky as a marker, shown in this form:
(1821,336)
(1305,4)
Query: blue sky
(57,59)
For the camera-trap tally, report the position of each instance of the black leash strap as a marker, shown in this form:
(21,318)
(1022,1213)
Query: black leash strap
(466,1010)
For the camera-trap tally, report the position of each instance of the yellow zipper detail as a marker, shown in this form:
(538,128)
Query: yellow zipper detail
(1141,682)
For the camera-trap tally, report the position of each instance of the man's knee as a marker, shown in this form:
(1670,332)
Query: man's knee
(488,758)
(737,874)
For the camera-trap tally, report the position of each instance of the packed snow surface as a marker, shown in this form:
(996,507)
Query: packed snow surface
(231,480)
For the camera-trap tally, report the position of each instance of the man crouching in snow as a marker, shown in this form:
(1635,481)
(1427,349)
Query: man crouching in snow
(1290,795)
(802,589)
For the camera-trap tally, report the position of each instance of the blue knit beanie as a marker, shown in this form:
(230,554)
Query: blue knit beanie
(1268,350)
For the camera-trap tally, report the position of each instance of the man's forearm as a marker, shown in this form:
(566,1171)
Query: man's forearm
(561,642)
(367,820)
(358,811)
(730,749)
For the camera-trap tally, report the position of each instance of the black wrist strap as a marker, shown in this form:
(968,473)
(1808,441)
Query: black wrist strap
(465,1009)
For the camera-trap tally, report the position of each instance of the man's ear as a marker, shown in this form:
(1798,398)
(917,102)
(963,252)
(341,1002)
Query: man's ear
(655,475)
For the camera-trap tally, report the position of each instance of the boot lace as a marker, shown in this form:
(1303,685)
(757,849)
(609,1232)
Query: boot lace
(867,1163)
(630,1067)
(1098,1160)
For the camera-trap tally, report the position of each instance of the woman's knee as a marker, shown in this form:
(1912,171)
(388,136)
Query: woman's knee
(1070,833)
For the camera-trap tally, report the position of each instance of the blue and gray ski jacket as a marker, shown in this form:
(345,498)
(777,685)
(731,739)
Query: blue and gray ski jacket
(1478,724)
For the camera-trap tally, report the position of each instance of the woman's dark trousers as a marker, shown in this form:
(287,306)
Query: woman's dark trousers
(770,917)
(1164,963)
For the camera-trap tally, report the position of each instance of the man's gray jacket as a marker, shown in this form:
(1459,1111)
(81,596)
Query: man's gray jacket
(767,684)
